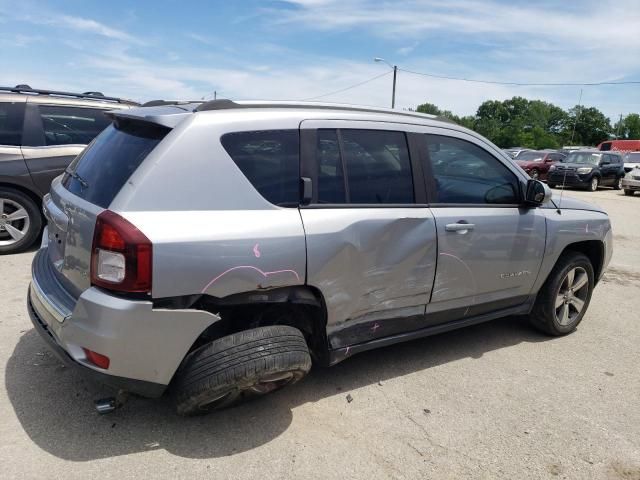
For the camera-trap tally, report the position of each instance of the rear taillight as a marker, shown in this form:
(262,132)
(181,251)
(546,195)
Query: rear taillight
(121,255)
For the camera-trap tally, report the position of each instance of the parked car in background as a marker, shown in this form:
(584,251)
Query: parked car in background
(588,169)
(622,146)
(41,132)
(221,247)
(631,161)
(536,163)
(631,181)
(515,151)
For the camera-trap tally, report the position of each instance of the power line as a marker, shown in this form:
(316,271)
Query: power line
(349,87)
(523,84)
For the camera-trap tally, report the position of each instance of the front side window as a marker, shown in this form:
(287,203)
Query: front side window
(71,125)
(374,163)
(11,118)
(467,174)
(270,161)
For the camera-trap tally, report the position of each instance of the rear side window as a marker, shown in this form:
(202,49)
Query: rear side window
(11,118)
(605,147)
(376,162)
(270,161)
(71,125)
(102,169)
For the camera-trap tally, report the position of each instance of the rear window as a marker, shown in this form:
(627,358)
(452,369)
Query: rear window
(101,170)
(270,161)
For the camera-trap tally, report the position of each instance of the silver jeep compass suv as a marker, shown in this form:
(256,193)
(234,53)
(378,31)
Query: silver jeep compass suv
(219,247)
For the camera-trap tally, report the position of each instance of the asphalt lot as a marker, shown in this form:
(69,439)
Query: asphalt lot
(496,400)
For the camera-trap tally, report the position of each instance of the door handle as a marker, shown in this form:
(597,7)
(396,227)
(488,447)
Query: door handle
(461,227)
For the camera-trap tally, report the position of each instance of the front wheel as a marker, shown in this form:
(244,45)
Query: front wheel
(564,298)
(239,367)
(594,184)
(628,193)
(618,184)
(551,185)
(535,174)
(20,221)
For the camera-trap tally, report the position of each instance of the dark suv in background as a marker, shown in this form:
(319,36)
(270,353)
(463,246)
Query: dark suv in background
(588,169)
(41,132)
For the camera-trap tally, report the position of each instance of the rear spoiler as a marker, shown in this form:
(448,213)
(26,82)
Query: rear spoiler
(168,116)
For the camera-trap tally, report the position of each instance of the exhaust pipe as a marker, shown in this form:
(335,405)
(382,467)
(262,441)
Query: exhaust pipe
(109,404)
(105,405)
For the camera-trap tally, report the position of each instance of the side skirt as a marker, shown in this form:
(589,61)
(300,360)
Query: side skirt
(340,354)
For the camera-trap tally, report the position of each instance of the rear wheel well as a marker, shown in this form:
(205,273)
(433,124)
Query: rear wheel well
(593,250)
(30,193)
(299,307)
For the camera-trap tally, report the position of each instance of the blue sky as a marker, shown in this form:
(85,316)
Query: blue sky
(301,49)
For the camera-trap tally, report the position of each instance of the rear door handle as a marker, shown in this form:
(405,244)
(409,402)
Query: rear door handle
(460,227)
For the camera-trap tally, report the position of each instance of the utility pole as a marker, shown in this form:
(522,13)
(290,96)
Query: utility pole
(395,76)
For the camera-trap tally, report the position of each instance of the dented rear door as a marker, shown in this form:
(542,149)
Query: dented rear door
(371,239)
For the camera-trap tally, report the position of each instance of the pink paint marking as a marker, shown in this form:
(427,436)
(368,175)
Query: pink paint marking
(264,274)
(256,250)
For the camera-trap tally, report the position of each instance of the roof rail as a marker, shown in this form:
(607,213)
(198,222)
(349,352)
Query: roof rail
(160,103)
(224,104)
(93,95)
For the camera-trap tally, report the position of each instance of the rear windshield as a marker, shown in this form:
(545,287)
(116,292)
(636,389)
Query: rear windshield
(101,170)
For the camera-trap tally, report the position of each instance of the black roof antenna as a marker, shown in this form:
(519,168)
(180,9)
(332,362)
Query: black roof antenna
(564,179)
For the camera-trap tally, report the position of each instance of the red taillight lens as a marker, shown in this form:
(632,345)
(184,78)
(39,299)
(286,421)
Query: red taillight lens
(121,255)
(97,359)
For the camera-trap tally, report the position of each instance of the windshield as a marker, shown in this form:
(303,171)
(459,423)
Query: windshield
(584,157)
(632,157)
(531,156)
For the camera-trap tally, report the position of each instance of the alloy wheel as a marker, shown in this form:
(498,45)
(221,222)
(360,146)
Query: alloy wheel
(572,296)
(594,184)
(262,386)
(14,222)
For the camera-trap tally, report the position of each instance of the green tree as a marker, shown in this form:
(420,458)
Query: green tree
(628,127)
(429,108)
(590,124)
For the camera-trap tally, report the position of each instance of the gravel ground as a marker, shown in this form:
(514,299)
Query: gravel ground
(496,400)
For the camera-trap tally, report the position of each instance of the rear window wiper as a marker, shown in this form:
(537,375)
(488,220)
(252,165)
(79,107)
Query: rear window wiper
(83,183)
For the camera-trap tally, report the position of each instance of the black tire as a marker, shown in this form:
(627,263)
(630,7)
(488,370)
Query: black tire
(238,367)
(544,315)
(628,193)
(551,185)
(618,184)
(535,174)
(594,183)
(8,244)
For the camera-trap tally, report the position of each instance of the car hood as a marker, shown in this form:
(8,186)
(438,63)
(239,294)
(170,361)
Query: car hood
(568,203)
(527,163)
(576,165)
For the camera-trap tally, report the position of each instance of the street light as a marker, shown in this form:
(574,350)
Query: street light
(395,73)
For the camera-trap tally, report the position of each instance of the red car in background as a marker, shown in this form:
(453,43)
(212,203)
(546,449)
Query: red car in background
(536,163)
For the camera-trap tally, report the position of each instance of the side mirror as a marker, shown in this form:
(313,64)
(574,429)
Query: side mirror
(537,193)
